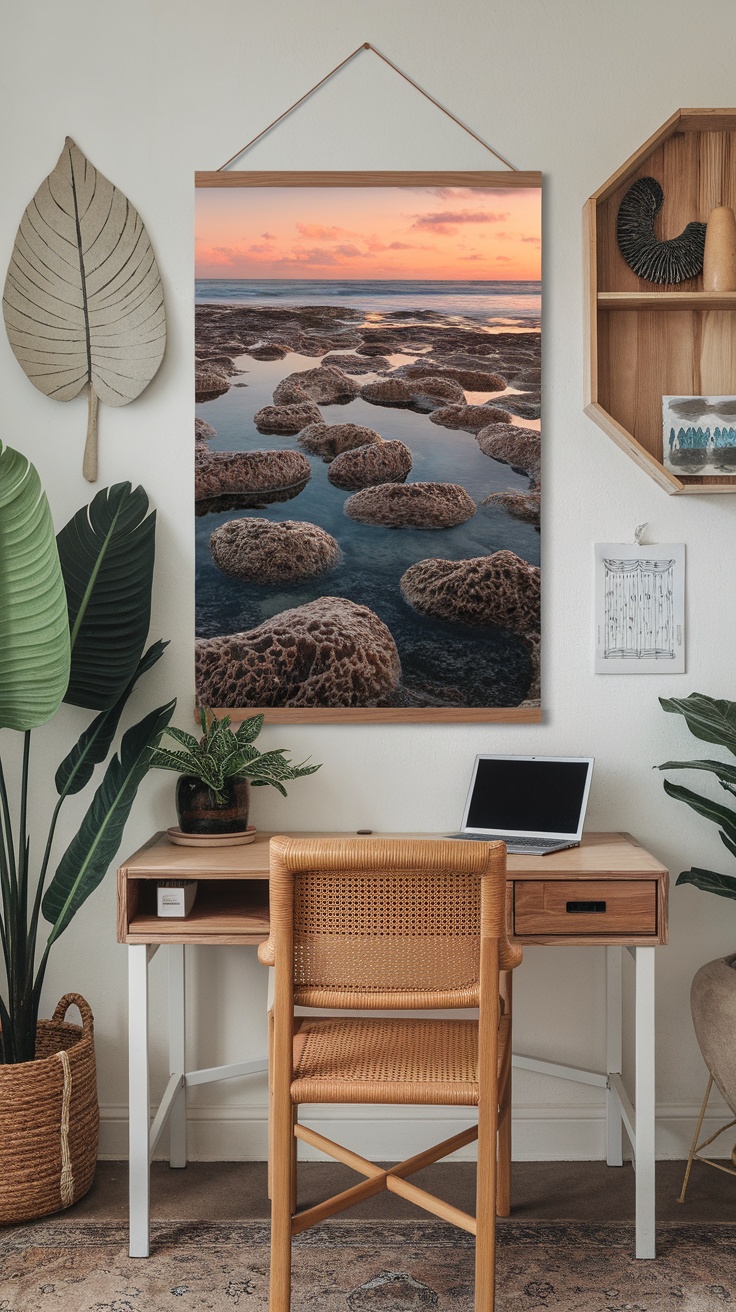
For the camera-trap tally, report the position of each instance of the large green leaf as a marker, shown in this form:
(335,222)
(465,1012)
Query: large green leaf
(720,815)
(88,856)
(95,742)
(107,553)
(709,881)
(726,774)
(713,721)
(34,627)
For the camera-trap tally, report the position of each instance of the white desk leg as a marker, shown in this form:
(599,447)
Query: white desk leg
(614,1026)
(645,1104)
(139,1099)
(177,1055)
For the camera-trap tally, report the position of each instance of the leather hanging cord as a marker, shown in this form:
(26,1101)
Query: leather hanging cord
(367,46)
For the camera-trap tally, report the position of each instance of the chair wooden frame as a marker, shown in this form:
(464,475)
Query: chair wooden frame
(497,957)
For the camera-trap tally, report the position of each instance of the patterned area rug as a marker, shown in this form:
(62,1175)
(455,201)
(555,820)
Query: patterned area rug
(364,1266)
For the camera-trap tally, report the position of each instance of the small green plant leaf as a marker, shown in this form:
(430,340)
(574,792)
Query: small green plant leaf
(709,881)
(708,719)
(88,856)
(187,740)
(223,754)
(248,731)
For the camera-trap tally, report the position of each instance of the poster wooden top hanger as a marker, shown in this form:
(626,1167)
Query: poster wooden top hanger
(224,177)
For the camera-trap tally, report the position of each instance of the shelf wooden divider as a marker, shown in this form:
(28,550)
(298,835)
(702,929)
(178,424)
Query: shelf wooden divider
(646,340)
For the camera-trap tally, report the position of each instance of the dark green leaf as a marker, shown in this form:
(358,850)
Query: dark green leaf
(107,553)
(728,842)
(713,721)
(720,815)
(709,881)
(724,772)
(88,856)
(77,768)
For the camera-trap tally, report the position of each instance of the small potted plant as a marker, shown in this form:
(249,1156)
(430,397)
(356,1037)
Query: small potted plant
(713,991)
(213,793)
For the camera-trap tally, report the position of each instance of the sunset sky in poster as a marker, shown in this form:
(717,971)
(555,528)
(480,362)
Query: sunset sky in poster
(368,232)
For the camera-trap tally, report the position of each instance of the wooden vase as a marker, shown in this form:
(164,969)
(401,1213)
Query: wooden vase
(719,261)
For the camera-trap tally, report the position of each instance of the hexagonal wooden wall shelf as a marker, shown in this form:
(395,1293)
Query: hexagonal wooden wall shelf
(646,340)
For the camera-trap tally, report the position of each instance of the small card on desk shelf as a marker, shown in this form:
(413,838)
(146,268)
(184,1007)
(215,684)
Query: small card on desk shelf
(175,897)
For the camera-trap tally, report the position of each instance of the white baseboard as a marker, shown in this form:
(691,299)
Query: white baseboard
(540,1134)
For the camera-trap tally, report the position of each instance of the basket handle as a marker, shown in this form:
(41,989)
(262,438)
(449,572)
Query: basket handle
(83,1007)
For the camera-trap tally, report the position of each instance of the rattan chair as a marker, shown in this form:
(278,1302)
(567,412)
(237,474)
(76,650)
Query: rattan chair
(379,924)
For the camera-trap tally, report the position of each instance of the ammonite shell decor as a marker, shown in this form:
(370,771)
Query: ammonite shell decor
(656,261)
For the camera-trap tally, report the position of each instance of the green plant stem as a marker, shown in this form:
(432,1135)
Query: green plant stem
(8,830)
(6,920)
(36,909)
(21,945)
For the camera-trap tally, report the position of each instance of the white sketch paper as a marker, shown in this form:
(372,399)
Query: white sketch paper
(639,608)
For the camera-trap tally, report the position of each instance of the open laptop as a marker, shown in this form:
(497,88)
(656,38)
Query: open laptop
(534,804)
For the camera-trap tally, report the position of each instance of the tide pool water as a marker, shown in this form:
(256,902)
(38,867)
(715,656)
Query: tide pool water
(443,663)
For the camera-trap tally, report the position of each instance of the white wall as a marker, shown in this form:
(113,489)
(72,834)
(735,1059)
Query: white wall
(152,90)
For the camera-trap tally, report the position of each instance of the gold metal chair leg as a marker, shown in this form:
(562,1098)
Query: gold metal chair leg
(694,1143)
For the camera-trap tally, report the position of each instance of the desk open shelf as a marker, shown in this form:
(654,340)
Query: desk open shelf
(231,906)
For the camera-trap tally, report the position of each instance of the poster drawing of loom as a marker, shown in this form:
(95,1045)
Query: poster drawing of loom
(640,611)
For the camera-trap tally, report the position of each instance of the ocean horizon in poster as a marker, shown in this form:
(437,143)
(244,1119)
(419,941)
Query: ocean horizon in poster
(367,449)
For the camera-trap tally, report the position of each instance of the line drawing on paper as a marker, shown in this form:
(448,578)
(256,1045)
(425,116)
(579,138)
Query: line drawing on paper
(639,614)
(640,608)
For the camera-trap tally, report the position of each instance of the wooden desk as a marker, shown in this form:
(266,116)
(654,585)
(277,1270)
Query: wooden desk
(609,892)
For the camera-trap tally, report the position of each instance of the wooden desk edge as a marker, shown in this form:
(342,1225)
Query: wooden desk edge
(128,872)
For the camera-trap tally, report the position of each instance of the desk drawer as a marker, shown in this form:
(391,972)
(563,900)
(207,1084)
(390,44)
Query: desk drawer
(585,906)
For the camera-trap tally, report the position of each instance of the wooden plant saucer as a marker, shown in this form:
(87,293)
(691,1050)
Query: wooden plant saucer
(211,840)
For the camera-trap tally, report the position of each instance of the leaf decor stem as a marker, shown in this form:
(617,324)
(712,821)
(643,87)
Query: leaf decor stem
(83,300)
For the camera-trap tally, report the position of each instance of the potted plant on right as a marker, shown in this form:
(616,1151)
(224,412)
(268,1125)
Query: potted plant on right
(713,991)
(213,792)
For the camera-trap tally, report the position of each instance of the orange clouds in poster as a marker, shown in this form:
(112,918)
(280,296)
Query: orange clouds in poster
(443,233)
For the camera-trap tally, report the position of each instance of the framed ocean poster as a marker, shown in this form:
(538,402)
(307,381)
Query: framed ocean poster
(368,445)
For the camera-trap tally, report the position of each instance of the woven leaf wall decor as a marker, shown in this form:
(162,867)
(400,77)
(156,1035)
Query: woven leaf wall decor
(83,301)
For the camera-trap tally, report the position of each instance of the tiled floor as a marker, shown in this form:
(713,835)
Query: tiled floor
(540,1190)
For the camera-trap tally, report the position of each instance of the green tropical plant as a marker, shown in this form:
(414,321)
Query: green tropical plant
(713,722)
(222,754)
(74,615)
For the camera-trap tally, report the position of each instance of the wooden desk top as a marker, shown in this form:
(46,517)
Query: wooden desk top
(600,856)
(609,890)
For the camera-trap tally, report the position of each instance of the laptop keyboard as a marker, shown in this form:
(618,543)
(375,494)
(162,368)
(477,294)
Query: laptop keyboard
(514,840)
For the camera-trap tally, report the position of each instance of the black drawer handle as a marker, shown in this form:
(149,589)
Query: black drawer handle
(586,908)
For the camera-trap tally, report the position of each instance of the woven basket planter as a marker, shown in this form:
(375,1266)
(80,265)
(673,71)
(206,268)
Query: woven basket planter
(49,1119)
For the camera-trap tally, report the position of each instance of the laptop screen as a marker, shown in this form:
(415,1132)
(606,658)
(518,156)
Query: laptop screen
(517,795)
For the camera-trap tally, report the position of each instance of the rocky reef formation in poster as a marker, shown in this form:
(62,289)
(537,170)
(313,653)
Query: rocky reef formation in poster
(368,448)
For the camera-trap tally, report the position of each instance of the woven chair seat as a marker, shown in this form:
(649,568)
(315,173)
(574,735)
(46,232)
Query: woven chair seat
(367,1060)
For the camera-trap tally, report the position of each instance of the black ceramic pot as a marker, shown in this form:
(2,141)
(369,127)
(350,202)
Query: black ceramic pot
(200,812)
